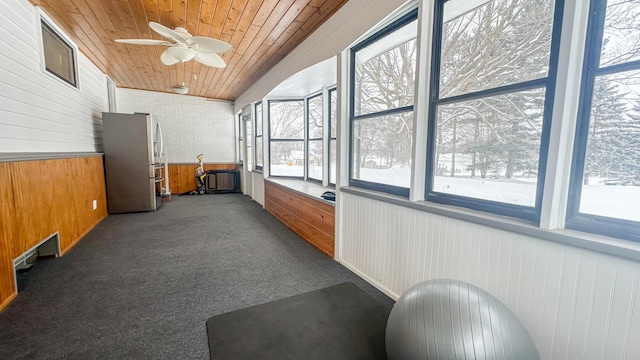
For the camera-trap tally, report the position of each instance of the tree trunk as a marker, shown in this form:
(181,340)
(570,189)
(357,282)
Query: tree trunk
(453,149)
(476,135)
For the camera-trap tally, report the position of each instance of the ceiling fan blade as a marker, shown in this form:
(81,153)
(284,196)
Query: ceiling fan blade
(166,32)
(143,42)
(167,58)
(208,45)
(210,59)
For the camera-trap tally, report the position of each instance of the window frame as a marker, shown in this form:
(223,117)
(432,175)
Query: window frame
(548,83)
(308,138)
(331,136)
(240,140)
(405,19)
(258,166)
(45,22)
(608,226)
(272,139)
(248,140)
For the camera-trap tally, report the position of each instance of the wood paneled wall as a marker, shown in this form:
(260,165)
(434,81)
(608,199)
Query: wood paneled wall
(182,177)
(312,219)
(261,32)
(7,231)
(39,198)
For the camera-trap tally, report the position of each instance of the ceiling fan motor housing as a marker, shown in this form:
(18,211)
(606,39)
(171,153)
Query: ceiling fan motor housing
(180,89)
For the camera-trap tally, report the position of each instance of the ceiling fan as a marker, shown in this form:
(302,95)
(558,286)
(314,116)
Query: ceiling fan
(184,47)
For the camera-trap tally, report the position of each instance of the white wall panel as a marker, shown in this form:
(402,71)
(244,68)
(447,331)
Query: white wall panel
(191,125)
(575,303)
(248,183)
(257,192)
(38,112)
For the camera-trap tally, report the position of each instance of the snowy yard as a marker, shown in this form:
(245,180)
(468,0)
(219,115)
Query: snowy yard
(621,202)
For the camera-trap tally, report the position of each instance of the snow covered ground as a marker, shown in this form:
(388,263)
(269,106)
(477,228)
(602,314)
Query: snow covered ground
(286,170)
(622,202)
(315,172)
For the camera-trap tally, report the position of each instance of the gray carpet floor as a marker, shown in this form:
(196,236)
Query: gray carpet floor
(141,286)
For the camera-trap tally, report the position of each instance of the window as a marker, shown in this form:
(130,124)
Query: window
(59,55)
(491,101)
(259,148)
(382,80)
(248,138)
(286,145)
(314,137)
(240,139)
(333,99)
(605,184)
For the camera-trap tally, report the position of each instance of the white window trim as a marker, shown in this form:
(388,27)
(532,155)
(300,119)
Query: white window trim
(40,15)
(595,242)
(112,95)
(565,114)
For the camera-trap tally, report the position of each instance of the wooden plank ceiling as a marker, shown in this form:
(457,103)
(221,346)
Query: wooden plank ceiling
(261,32)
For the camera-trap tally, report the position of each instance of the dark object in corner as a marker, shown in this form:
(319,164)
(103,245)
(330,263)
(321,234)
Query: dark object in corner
(216,182)
(329,195)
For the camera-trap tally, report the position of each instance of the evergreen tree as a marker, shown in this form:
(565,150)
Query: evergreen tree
(606,150)
(629,138)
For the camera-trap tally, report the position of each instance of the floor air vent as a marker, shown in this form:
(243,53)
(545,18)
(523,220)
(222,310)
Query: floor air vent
(49,247)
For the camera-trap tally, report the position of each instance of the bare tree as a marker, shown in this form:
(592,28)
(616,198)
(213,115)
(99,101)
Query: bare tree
(500,43)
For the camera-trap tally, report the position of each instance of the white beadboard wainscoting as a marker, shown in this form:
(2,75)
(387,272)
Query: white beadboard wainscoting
(39,112)
(257,192)
(575,303)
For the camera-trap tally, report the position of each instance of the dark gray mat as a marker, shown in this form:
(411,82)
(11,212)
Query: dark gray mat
(338,322)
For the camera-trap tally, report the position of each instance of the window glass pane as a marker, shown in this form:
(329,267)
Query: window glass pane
(382,149)
(58,55)
(315,117)
(259,149)
(249,142)
(332,161)
(315,159)
(258,119)
(488,148)
(332,116)
(385,72)
(286,119)
(287,158)
(611,183)
(249,132)
(500,43)
(621,38)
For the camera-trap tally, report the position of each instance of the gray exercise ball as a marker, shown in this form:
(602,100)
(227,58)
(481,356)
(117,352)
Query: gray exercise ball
(450,319)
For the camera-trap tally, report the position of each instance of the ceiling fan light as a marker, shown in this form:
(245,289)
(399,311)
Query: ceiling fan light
(180,89)
(182,53)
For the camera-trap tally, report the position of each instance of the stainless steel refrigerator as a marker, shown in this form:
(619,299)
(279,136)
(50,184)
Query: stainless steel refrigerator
(133,168)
